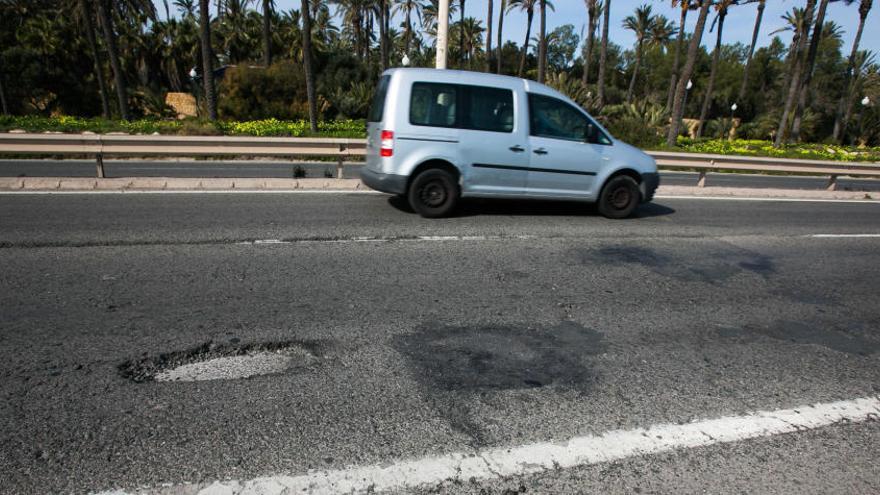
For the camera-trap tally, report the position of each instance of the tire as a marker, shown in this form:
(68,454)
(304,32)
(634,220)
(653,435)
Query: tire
(433,193)
(619,197)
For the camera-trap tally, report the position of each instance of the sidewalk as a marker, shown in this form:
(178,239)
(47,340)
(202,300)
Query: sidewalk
(158,184)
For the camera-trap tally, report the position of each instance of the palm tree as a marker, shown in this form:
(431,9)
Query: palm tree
(721,7)
(529,7)
(542,43)
(307,65)
(500,30)
(758,17)
(640,24)
(84,13)
(593,9)
(684,6)
(461,51)
(845,106)
(113,52)
(408,8)
(207,59)
(796,23)
(795,83)
(267,32)
(801,104)
(471,32)
(603,55)
(686,72)
(186,7)
(489,36)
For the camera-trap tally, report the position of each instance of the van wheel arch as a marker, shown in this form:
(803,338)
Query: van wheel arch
(438,164)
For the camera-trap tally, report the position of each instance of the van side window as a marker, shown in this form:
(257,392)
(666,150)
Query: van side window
(433,105)
(488,109)
(377,109)
(556,119)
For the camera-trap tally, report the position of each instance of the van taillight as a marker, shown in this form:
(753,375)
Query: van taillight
(387,147)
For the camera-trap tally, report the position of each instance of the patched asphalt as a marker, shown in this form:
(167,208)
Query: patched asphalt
(565,324)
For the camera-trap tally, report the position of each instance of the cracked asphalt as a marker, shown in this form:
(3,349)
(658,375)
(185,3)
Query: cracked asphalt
(558,323)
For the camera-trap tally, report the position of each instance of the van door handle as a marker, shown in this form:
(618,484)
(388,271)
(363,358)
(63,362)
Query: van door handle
(517,149)
(540,151)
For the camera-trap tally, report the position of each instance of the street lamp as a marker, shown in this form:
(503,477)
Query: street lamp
(442,33)
(405,61)
(865,102)
(732,121)
(684,102)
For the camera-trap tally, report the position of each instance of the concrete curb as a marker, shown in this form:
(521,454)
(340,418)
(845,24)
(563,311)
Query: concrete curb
(24,184)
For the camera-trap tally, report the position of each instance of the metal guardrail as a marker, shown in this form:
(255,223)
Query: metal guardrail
(100,146)
(128,145)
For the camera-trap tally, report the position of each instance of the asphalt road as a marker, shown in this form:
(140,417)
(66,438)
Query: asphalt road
(261,168)
(512,323)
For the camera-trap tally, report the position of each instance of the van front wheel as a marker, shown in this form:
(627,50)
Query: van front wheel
(433,193)
(619,197)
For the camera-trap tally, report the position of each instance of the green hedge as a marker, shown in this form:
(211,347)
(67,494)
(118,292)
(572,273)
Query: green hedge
(269,127)
(355,129)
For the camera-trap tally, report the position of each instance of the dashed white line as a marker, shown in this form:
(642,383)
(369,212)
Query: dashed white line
(545,456)
(420,238)
(832,236)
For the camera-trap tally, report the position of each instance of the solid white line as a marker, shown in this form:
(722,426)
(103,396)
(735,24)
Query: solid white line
(546,456)
(787,200)
(421,238)
(834,236)
(198,191)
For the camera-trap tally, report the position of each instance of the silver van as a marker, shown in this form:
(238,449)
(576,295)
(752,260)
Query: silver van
(435,136)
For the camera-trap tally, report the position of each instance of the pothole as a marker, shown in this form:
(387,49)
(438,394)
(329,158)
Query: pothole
(212,361)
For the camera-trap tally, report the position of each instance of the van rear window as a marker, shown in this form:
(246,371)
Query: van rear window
(377,109)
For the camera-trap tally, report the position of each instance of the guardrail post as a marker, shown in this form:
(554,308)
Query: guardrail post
(702,181)
(99,165)
(832,183)
(339,162)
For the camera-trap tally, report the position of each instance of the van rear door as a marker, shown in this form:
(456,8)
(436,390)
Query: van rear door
(376,123)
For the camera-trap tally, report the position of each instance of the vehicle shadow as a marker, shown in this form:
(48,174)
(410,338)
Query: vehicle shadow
(532,207)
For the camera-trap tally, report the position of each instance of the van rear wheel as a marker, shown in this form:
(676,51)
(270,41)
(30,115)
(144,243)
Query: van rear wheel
(619,197)
(434,193)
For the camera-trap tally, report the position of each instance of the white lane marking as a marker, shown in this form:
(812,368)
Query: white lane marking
(822,236)
(545,456)
(421,238)
(786,200)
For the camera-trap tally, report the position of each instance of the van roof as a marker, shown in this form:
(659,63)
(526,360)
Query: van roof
(469,77)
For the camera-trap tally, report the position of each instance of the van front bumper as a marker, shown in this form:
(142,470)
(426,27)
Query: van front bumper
(650,182)
(387,183)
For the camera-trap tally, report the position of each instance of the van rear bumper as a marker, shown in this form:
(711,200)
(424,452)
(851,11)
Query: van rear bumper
(387,183)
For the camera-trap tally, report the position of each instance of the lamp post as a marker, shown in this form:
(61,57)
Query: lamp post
(405,61)
(684,102)
(732,122)
(865,103)
(442,33)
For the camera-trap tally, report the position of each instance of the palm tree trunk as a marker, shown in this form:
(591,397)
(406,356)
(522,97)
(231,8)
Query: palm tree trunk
(686,72)
(522,59)
(710,88)
(542,44)
(603,55)
(461,52)
(745,81)
(110,41)
(632,81)
(795,84)
(407,35)
(383,36)
(675,61)
(267,32)
(93,47)
(207,59)
(845,106)
(808,75)
(307,66)
(500,31)
(3,105)
(591,39)
(489,36)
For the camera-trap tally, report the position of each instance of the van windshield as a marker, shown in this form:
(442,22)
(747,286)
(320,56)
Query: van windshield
(378,106)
